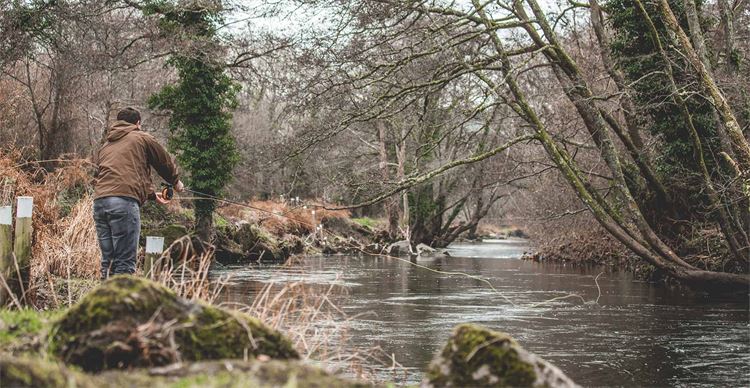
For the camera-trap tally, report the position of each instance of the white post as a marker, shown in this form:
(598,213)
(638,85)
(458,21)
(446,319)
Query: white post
(154,249)
(22,244)
(6,247)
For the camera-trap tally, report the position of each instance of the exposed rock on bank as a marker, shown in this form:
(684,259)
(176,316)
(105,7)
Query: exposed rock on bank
(133,322)
(475,356)
(250,243)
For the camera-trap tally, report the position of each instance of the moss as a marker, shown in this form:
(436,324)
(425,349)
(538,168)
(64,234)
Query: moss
(20,329)
(170,232)
(258,374)
(118,309)
(37,372)
(231,373)
(367,222)
(28,372)
(255,235)
(477,356)
(220,221)
(187,214)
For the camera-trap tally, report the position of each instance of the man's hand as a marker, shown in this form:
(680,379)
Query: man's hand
(161,200)
(179,187)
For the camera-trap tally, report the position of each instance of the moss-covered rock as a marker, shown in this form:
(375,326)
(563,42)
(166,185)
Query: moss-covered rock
(129,321)
(248,242)
(35,372)
(475,356)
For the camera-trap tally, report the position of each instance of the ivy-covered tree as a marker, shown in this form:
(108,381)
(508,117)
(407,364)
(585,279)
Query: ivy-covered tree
(200,103)
(673,97)
(638,57)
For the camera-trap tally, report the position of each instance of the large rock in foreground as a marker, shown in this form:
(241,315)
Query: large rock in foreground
(133,322)
(475,356)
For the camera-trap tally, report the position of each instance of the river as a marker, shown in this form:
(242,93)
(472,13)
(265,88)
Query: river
(637,334)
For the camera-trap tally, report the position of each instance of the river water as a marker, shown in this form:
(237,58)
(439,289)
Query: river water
(637,334)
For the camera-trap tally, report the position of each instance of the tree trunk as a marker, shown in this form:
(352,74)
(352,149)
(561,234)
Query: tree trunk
(727,21)
(204,220)
(390,205)
(401,175)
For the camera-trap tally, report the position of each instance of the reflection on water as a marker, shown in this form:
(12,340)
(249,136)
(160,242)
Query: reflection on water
(637,334)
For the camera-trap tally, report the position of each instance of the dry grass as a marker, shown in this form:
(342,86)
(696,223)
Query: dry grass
(64,249)
(184,268)
(67,250)
(69,247)
(319,329)
(279,218)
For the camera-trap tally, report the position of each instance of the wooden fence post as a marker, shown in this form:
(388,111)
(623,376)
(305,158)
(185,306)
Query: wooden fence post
(154,249)
(22,245)
(6,248)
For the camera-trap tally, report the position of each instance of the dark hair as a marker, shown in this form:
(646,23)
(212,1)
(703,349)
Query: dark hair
(130,115)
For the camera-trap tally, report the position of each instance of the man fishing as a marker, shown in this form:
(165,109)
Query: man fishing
(122,184)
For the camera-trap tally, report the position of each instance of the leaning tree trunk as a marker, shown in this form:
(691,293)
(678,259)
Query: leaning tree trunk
(633,231)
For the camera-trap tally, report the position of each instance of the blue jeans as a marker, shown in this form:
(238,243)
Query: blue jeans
(118,226)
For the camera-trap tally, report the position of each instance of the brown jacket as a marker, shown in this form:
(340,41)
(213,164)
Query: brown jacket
(124,164)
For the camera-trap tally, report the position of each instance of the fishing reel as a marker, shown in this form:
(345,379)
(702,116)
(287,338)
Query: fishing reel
(167,191)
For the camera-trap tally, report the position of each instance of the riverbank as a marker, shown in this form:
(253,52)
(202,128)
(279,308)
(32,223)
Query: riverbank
(587,249)
(596,247)
(130,331)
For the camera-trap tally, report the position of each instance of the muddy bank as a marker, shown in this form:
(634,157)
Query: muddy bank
(592,249)
(598,248)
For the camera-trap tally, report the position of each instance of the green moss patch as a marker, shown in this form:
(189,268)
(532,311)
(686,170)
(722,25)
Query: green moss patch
(236,373)
(20,330)
(161,221)
(131,322)
(367,222)
(34,372)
